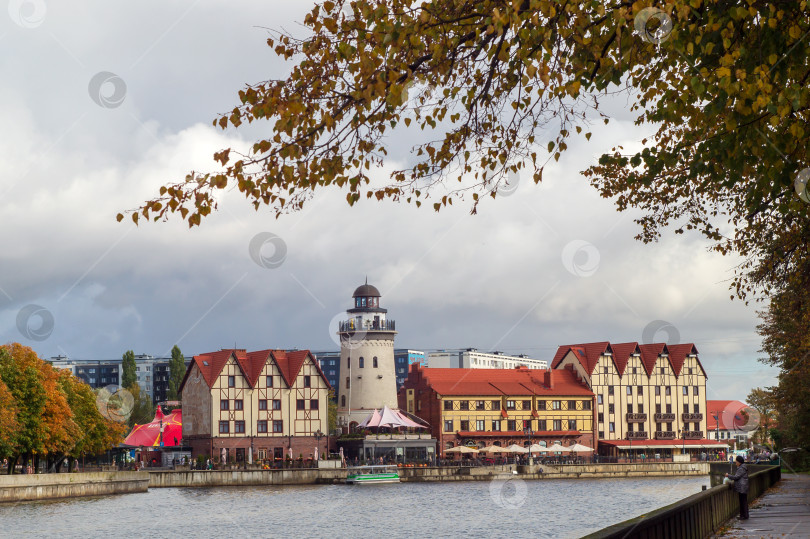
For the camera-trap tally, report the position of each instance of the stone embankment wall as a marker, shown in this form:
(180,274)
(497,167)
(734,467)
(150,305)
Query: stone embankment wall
(18,488)
(233,478)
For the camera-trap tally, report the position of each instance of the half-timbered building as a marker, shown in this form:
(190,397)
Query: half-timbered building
(265,405)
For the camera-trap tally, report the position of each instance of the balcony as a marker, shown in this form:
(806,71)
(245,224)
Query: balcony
(665,435)
(637,435)
(694,435)
(636,418)
(692,417)
(664,417)
(350,326)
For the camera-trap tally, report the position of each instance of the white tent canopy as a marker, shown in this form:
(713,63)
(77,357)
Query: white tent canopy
(579,448)
(514,448)
(557,448)
(389,418)
(537,448)
(461,449)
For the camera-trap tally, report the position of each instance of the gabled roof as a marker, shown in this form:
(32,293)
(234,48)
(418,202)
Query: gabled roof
(503,382)
(622,353)
(650,353)
(587,354)
(251,364)
(731,415)
(678,353)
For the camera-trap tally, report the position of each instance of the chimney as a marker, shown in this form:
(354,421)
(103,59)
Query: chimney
(549,379)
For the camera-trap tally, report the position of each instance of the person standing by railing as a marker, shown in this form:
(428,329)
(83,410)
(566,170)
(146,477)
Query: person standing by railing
(740,479)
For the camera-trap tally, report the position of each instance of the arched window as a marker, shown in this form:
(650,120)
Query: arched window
(374,361)
(361,362)
(343,400)
(348,363)
(347,382)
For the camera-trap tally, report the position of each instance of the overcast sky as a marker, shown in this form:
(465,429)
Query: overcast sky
(549,265)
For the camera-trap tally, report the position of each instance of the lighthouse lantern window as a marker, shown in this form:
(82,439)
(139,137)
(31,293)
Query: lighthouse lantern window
(363,302)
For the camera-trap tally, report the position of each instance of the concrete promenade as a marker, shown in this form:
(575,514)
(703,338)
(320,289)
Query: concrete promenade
(19,488)
(783,511)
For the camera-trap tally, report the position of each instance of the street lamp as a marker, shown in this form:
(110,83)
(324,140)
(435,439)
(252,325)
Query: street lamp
(716,417)
(527,430)
(683,436)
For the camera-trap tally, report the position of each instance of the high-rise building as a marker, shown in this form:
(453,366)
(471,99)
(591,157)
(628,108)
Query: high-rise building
(471,358)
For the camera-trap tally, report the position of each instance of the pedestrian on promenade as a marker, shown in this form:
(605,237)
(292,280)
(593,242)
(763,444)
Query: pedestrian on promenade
(740,479)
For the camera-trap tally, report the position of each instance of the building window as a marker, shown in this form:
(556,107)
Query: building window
(480,425)
(527,405)
(349,363)
(448,425)
(261,426)
(657,390)
(668,391)
(278,425)
(277,404)
(269,381)
(629,427)
(510,405)
(660,370)
(612,427)
(299,404)
(629,390)
(374,362)
(695,391)
(586,405)
(307,381)
(347,382)
(669,408)
(641,408)
(239,427)
(479,405)
(599,399)
(465,425)
(541,424)
(313,404)
(605,369)
(556,405)
(697,408)
(511,424)
(496,405)
(231,381)
(263,404)
(639,390)
(669,427)
(685,408)
(685,390)
(361,362)
(343,401)
(600,417)
(238,404)
(541,405)
(657,408)
(630,408)
(611,409)
(610,390)
(448,405)
(557,424)
(601,434)
(224,427)
(496,425)
(572,424)
(464,405)
(635,370)
(223,405)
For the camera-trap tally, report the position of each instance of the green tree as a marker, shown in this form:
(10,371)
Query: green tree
(8,422)
(331,409)
(763,401)
(177,370)
(129,377)
(21,375)
(143,410)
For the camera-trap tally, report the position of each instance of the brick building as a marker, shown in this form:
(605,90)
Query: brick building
(479,407)
(254,405)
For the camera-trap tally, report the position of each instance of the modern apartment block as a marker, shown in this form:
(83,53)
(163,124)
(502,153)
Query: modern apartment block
(471,358)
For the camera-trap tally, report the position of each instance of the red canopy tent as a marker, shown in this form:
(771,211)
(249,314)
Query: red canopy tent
(148,435)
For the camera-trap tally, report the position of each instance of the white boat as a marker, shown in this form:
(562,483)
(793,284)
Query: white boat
(372,474)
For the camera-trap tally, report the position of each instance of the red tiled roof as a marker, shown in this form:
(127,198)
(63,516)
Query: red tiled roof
(505,382)
(649,355)
(622,353)
(251,364)
(588,354)
(729,414)
(677,355)
(520,433)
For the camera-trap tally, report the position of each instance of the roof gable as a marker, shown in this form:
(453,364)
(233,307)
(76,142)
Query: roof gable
(622,353)
(649,355)
(677,355)
(587,354)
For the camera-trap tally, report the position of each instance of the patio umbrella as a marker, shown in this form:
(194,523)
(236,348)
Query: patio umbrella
(461,449)
(515,448)
(537,448)
(493,449)
(579,448)
(557,448)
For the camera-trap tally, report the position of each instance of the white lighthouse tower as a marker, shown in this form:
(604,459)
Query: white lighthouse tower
(367,368)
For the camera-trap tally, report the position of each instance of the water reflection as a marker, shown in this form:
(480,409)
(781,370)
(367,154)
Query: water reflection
(552,508)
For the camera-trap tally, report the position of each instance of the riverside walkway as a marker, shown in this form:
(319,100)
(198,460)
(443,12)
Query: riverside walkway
(784,511)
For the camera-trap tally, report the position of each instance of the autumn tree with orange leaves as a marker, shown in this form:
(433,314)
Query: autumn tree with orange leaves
(47,413)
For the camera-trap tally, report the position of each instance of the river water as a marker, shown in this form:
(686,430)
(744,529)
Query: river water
(512,508)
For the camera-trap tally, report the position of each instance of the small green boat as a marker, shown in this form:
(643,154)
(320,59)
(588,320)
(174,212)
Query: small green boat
(372,474)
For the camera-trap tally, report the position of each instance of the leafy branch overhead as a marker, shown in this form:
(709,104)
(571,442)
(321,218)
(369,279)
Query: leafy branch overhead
(501,85)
